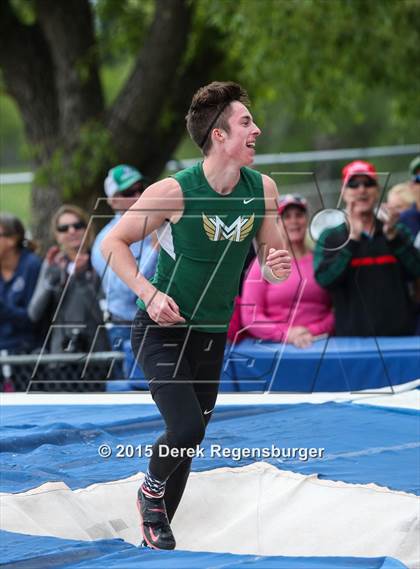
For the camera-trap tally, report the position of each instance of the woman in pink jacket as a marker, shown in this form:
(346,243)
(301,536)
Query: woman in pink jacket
(297,310)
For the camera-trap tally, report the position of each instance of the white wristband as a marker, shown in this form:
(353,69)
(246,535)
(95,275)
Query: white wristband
(269,276)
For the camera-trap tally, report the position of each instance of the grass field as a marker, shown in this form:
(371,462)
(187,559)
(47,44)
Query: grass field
(16,199)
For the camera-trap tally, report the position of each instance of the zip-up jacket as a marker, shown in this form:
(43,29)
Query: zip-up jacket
(368,279)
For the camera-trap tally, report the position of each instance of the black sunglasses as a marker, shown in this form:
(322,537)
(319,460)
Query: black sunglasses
(66,226)
(353,184)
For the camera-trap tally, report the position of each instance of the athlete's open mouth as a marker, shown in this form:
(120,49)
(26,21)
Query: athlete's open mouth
(250,144)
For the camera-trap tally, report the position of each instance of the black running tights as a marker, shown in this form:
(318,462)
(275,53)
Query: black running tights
(182,367)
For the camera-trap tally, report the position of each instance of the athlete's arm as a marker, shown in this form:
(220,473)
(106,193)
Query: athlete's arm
(158,203)
(273,257)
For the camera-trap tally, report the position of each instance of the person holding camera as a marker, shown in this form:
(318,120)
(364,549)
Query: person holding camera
(367,262)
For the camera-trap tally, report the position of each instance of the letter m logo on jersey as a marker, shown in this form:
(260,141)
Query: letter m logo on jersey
(216,230)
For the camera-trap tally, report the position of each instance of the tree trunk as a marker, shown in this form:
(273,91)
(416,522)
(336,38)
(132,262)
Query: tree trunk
(40,66)
(27,69)
(206,66)
(51,70)
(134,117)
(68,29)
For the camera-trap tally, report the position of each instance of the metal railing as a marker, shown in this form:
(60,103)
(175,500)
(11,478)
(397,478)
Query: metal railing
(74,373)
(279,158)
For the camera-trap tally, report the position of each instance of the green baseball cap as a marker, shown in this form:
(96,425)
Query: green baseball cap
(414,165)
(120,178)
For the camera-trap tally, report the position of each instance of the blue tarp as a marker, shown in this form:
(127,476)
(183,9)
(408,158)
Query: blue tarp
(30,552)
(334,364)
(362,444)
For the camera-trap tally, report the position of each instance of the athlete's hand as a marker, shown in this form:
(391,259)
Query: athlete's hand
(164,310)
(278,260)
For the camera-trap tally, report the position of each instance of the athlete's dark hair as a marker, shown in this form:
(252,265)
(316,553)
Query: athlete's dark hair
(210,108)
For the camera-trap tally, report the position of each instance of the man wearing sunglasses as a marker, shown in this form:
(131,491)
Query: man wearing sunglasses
(123,186)
(366,262)
(411,217)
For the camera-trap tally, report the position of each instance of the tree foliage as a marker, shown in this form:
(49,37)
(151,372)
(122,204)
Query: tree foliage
(318,58)
(50,62)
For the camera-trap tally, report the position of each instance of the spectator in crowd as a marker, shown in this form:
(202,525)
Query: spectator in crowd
(411,217)
(19,270)
(299,309)
(366,265)
(67,291)
(401,197)
(123,187)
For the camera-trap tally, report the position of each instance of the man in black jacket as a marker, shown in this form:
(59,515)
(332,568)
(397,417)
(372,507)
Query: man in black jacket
(367,263)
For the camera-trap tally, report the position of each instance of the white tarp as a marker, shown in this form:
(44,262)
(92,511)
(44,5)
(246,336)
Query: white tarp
(256,509)
(405,395)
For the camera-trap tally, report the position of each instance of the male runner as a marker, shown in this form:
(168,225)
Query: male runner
(206,217)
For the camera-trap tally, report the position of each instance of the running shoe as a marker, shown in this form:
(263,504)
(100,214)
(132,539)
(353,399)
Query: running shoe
(155,526)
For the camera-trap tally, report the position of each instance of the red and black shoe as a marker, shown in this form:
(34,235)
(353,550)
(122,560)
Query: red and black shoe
(155,526)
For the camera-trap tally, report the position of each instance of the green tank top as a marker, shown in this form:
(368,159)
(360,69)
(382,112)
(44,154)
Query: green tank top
(203,254)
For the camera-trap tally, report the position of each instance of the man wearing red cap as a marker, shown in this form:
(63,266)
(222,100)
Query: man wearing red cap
(411,217)
(366,263)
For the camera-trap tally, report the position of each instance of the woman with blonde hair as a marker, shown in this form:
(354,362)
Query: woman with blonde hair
(401,197)
(298,310)
(67,294)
